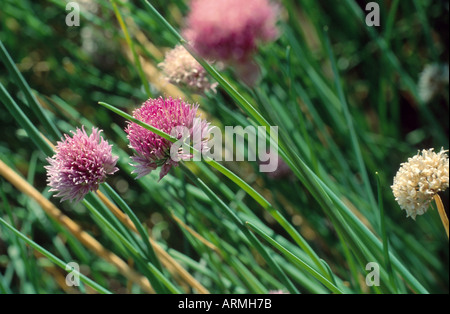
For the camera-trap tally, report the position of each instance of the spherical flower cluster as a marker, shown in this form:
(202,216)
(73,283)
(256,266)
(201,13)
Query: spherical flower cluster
(229,30)
(81,163)
(172,116)
(432,80)
(181,69)
(419,179)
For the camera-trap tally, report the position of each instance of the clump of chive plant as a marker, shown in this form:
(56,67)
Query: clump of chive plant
(180,68)
(230,31)
(80,164)
(432,81)
(172,116)
(418,181)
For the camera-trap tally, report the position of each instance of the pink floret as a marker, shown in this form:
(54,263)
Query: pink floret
(80,164)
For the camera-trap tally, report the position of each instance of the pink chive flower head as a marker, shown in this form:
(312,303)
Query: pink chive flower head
(80,164)
(181,69)
(172,116)
(229,30)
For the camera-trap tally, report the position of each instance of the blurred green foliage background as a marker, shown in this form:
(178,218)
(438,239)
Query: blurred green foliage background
(72,68)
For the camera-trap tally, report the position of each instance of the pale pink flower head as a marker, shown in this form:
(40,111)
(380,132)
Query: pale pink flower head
(174,117)
(180,68)
(230,30)
(80,164)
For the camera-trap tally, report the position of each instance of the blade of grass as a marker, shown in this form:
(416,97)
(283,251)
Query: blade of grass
(350,125)
(252,282)
(24,122)
(426,30)
(140,228)
(292,257)
(255,242)
(4,288)
(372,241)
(31,99)
(132,48)
(384,236)
(29,265)
(160,286)
(54,259)
(390,21)
(166,259)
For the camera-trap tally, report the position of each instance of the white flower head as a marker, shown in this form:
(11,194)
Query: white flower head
(419,179)
(180,68)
